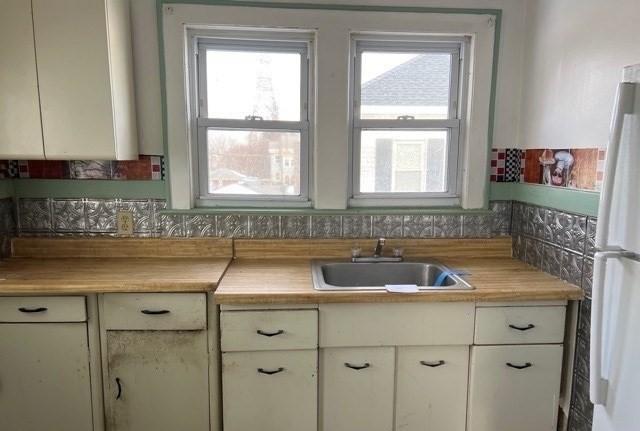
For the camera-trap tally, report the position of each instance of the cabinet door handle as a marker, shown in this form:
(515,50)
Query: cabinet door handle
(32,310)
(119,388)
(432,364)
(523,328)
(357,367)
(270,372)
(519,367)
(155,312)
(270,334)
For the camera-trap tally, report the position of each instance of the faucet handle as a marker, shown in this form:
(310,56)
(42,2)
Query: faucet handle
(382,241)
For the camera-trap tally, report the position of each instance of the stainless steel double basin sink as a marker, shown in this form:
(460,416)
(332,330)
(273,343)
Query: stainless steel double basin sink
(344,275)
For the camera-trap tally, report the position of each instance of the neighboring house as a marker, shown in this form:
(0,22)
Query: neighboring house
(398,161)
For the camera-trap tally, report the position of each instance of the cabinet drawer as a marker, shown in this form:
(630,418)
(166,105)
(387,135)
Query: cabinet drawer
(269,330)
(43,309)
(154,311)
(398,324)
(270,391)
(514,388)
(519,325)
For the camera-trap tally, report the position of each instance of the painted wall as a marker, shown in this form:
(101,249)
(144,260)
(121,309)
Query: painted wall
(574,55)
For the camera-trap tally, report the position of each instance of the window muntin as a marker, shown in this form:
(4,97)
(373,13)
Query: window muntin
(405,91)
(253,125)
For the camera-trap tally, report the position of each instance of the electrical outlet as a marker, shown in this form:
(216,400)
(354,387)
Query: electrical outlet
(124,223)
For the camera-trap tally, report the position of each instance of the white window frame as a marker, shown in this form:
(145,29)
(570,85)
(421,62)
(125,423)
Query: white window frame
(331,32)
(266,41)
(457,47)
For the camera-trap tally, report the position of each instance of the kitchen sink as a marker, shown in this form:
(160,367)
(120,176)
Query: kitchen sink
(426,275)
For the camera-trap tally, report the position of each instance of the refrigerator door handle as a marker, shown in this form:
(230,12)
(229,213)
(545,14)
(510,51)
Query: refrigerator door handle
(598,385)
(623,105)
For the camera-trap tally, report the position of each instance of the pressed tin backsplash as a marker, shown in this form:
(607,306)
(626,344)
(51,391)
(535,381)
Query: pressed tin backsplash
(47,216)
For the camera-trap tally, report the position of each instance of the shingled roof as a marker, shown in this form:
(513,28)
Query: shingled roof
(421,81)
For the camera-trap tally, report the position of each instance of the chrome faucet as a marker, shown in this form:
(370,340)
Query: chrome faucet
(379,246)
(377,255)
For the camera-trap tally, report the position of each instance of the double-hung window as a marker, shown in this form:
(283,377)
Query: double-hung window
(253,120)
(406,120)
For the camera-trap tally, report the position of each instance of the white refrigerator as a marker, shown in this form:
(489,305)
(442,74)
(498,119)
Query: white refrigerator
(615,318)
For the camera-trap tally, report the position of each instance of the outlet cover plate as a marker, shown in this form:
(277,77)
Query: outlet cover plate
(124,223)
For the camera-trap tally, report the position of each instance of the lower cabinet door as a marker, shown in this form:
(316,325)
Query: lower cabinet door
(514,388)
(431,388)
(44,377)
(357,387)
(157,380)
(270,390)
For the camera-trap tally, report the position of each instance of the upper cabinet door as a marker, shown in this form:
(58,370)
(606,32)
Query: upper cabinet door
(85,73)
(20,131)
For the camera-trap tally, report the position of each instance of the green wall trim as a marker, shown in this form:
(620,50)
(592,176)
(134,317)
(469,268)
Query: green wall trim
(336,6)
(350,211)
(501,191)
(6,189)
(571,200)
(89,189)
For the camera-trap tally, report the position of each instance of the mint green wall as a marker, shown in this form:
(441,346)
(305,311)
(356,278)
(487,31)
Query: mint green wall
(6,189)
(571,200)
(34,188)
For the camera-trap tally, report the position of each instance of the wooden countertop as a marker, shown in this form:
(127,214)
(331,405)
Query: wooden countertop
(280,281)
(67,276)
(42,266)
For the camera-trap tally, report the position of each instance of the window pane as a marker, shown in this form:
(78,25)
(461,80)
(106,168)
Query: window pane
(395,84)
(396,161)
(242,83)
(253,162)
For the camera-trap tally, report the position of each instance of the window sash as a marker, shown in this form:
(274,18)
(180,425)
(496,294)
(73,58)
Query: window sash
(253,46)
(452,173)
(204,123)
(452,125)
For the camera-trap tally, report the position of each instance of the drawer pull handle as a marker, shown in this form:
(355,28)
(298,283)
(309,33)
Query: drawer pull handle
(155,312)
(519,367)
(432,364)
(119,388)
(357,367)
(523,328)
(32,310)
(270,372)
(270,334)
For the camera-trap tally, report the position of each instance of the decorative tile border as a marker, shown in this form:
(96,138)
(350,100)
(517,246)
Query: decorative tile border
(505,165)
(145,168)
(48,216)
(578,168)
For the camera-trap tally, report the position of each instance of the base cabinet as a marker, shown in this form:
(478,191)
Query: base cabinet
(44,377)
(431,388)
(357,387)
(157,380)
(514,388)
(270,390)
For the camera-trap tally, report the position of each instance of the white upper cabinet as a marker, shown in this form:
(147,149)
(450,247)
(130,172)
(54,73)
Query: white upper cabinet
(85,108)
(20,131)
